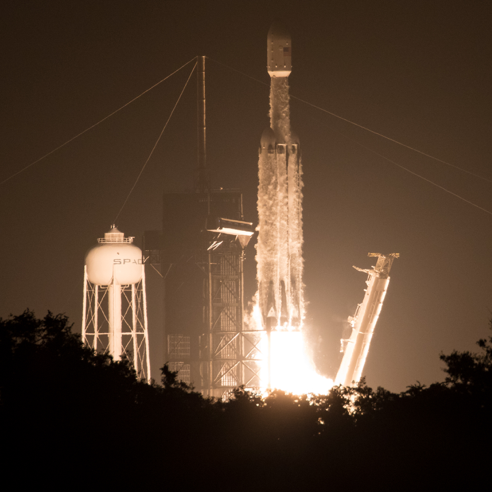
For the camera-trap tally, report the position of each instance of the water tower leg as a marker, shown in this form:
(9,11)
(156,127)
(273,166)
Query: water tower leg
(146,325)
(84,307)
(137,363)
(114,308)
(96,317)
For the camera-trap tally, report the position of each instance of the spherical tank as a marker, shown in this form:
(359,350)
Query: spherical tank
(121,261)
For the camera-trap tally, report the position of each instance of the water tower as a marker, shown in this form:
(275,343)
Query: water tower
(115,308)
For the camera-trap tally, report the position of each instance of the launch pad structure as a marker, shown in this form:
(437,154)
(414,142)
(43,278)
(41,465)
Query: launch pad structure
(356,347)
(205,339)
(200,255)
(201,250)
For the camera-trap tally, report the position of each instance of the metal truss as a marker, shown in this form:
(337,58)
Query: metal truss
(235,355)
(225,355)
(97,331)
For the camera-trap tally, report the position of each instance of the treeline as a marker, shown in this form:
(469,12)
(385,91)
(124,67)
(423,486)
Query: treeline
(70,417)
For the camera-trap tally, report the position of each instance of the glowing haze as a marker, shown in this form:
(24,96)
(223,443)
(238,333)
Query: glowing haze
(280,309)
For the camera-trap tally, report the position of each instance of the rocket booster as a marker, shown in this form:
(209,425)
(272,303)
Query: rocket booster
(279,245)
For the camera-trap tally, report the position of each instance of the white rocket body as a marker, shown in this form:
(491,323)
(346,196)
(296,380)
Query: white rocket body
(279,247)
(279,51)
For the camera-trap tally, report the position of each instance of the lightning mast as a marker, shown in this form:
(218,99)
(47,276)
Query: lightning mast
(202,183)
(203,242)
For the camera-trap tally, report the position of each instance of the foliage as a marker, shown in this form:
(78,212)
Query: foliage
(470,374)
(65,408)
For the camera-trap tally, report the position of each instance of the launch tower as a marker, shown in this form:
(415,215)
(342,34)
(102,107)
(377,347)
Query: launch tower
(356,347)
(200,258)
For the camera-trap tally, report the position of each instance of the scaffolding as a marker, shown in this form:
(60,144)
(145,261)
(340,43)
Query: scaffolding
(230,355)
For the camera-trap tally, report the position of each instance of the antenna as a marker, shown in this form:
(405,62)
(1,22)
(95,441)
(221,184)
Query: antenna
(202,182)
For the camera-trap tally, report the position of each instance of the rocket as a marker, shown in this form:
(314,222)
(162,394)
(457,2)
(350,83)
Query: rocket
(279,247)
(279,51)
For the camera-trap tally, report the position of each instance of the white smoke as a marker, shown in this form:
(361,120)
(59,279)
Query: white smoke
(280,296)
(280,239)
(280,109)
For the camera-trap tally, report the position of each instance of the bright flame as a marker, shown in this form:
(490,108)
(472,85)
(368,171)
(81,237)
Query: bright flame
(291,368)
(285,363)
(287,359)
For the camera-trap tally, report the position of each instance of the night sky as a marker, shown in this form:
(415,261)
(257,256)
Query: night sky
(418,72)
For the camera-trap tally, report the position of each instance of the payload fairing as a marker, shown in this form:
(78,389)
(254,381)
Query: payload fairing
(279,247)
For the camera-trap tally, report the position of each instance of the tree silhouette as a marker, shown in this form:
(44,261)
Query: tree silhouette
(66,411)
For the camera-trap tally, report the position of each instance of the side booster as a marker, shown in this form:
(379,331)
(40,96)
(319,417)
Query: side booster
(279,245)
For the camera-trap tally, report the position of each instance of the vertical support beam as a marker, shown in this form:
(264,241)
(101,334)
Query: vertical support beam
(202,184)
(84,307)
(210,326)
(111,319)
(114,308)
(242,369)
(269,365)
(241,311)
(96,316)
(136,358)
(146,324)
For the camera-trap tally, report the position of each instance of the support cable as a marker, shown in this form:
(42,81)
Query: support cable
(158,272)
(412,172)
(426,179)
(94,125)
(360,126)
(394,141)
(387,138)
(155,145)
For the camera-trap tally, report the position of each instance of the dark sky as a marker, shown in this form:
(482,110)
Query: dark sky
(416,71)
